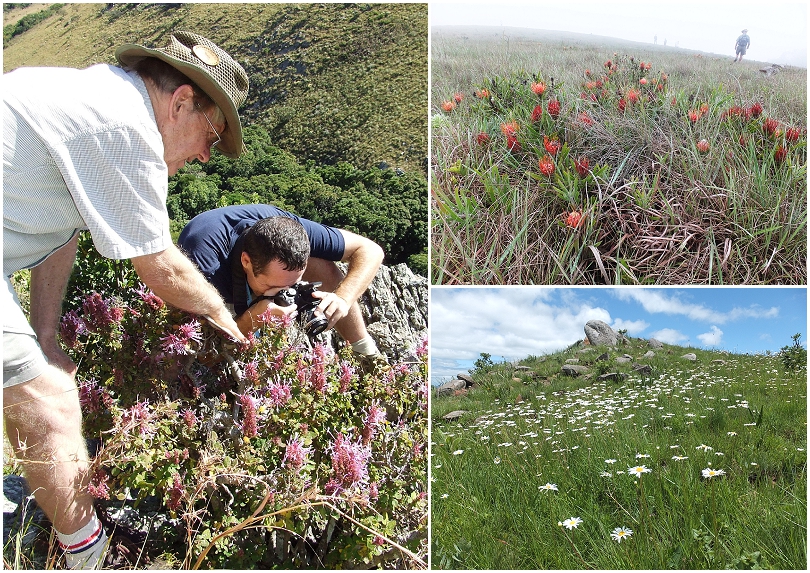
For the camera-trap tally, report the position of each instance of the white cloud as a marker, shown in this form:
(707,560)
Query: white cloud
(670,336)
(663,302)
(633,327)
(713,338)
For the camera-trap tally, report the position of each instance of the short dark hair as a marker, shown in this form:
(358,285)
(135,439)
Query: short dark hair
(279,238)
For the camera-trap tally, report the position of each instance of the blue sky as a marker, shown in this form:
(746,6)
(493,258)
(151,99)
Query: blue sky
(778,30)
(511,323)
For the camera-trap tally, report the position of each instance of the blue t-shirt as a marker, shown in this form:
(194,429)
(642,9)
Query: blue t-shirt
(209,238)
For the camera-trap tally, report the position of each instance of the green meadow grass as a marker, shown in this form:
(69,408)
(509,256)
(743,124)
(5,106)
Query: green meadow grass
(656,207)
(745,416)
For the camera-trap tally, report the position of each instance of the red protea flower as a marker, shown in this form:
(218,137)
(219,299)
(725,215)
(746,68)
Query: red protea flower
(622,104)
(546,165)
(585,118)
(582,165)
(510,128)
(448,105)
(770,126)
(793,134)
(632,95)
(643,81)
(458,97)
(482,138)
(573,219)
(608,64)
(537,113)
(552,144)
(704,109)
(703,146)
(482,93)
(780,153)
(538,87)
(694,115)
(755,110)
(554,108)
(512,144)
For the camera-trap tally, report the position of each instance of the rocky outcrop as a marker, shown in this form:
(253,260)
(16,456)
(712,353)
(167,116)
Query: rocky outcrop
(599,333)
(450,387)
(574,370)
(690,356)
(395,310)
(655,343)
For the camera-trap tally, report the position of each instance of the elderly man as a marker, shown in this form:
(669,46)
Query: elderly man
(93,149)
(249,251)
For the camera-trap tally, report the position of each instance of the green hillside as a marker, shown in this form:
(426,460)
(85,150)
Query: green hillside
(338,101)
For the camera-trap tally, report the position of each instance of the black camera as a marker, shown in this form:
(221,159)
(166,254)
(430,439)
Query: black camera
(300,294)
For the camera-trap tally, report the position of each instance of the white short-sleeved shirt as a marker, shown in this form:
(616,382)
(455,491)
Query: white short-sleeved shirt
(81,150)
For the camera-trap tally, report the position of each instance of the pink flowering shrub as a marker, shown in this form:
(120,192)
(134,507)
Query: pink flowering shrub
(214,431)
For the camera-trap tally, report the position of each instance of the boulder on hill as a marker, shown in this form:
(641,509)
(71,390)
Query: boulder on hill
(600,333)
(450,387)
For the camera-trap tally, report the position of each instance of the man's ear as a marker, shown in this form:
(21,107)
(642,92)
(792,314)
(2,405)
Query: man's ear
(246,264)
(182,99)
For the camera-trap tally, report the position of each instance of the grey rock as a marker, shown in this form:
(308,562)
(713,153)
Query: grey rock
(718,361)
(454,415)
(585,350)
(600,333)
(450,387)
(623,360)
(572,361)
(604,356)
(649,354)
(522,368)
(642,368)
(689,356)
(612,377)
(467,379)
(655,343)
(574,369)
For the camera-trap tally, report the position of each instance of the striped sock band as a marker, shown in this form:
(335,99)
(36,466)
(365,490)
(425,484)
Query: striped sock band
(83,548)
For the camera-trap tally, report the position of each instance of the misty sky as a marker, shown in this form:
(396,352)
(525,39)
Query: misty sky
(511,323)
(778,30)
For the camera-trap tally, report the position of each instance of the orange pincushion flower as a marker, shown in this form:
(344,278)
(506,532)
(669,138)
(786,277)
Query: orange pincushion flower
(770,126)
(703,146)
(448,105)
(552,145)
(546,165)
(581,165)
(694,115)
(537,113)
(574,219)
(622,104)
(632,95)
(554,108)
(510,128)
(482,93)
(458,96)
(585,118)
(704,109)
(538,87)
(643,81)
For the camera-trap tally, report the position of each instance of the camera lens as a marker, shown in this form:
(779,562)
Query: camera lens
(313,325)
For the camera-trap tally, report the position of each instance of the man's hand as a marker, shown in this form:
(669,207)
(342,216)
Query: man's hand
(332,306)
(57,357)
(249,320)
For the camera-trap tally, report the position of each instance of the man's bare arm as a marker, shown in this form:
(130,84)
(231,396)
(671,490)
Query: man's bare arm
(48,283)
(175,279)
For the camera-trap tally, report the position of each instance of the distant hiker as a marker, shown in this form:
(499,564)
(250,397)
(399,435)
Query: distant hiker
(251,252)
(93,149)
(665,41)
(655,39)
(743,41)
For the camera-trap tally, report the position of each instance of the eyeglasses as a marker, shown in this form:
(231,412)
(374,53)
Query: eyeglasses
(219,137)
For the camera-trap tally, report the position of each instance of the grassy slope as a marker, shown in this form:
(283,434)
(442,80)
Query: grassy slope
(330,82)
(520,434)
(463,60)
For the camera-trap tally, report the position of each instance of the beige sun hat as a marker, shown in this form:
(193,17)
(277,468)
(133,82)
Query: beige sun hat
(214,72)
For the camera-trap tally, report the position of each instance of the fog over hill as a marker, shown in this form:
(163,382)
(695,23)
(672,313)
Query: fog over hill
(792,56)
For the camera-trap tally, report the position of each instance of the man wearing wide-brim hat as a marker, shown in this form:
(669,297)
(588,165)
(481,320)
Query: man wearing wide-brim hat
(741,45)
(93,149)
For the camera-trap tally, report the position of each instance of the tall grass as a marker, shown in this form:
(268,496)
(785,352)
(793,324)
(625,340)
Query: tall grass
(738,413)
(657,208)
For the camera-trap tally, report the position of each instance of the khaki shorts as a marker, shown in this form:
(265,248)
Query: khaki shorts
(23,359)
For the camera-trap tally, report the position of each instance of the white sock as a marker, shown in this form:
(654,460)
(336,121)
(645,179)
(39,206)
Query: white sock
(85,548)
(365,346)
